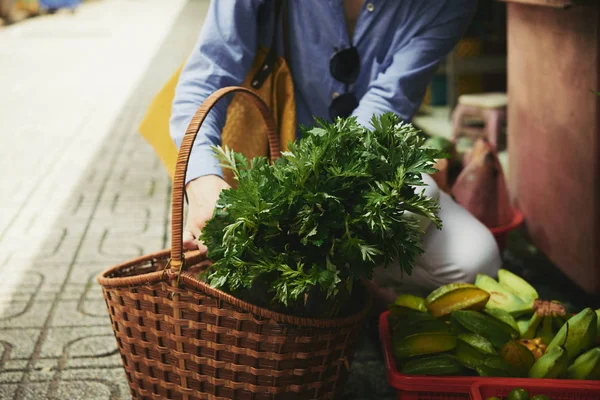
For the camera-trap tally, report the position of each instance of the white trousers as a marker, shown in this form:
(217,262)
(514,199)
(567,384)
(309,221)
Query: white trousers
(459,251)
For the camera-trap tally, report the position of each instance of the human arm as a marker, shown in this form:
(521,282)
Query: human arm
(222,57)
(400,88)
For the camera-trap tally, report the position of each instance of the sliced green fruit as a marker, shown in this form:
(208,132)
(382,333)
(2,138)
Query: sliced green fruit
(518,356)
(455,296)
(518,394)
(540,397)
(508,320)
(478,342)
(407,328)
(490,328)
(501,298)
(411,301)
(578,334)
(517,286)
(408,314)
(441,364)
(423,343)
(586,366)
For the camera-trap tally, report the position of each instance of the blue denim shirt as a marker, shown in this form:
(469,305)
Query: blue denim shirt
(400,43)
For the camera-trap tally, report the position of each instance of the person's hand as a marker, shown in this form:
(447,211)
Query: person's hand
(203,194)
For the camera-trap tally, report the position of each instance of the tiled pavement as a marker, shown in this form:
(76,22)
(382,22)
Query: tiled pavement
(81,190)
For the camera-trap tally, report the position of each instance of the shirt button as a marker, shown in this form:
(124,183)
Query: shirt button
(335,95)
(370,7)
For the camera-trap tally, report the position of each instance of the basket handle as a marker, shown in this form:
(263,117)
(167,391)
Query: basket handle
(184,156)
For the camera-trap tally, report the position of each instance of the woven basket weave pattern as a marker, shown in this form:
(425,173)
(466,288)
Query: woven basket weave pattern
(179,338)
(227,352)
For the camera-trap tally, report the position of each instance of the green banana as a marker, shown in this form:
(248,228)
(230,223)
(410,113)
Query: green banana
(547,319)
(578,334)
(534,323)
(558,321)
(441,364)
(523,324)
(559,313)
(561,310)
(411,301)
(554,363)
(586,366)
(551,365)
(546,333)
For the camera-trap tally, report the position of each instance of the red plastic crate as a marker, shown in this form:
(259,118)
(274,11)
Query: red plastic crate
(555,390)
(501,232)
(415,387)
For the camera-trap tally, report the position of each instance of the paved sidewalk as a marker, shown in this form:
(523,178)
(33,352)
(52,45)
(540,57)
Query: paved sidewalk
(82,191)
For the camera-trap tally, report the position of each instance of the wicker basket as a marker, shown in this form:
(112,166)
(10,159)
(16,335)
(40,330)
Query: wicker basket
(181,339)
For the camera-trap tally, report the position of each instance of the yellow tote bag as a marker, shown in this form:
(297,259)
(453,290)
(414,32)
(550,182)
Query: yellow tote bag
(243,130)
(29,6)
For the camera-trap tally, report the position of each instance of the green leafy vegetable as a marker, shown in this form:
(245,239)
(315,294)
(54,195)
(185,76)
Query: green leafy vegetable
(295,235)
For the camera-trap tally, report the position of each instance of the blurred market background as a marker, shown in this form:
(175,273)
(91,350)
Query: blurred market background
(81,190)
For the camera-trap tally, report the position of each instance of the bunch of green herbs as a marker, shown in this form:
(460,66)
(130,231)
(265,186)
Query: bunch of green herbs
(296,235)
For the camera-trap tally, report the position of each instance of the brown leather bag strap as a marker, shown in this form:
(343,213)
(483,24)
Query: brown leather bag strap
(184,156)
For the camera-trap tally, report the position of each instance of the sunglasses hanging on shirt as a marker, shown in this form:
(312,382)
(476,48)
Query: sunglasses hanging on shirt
(344,66)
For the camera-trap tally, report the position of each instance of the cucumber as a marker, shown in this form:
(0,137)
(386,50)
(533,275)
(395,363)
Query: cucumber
(442,364)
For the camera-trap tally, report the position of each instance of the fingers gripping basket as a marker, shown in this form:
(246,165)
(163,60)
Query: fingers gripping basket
(181,339)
